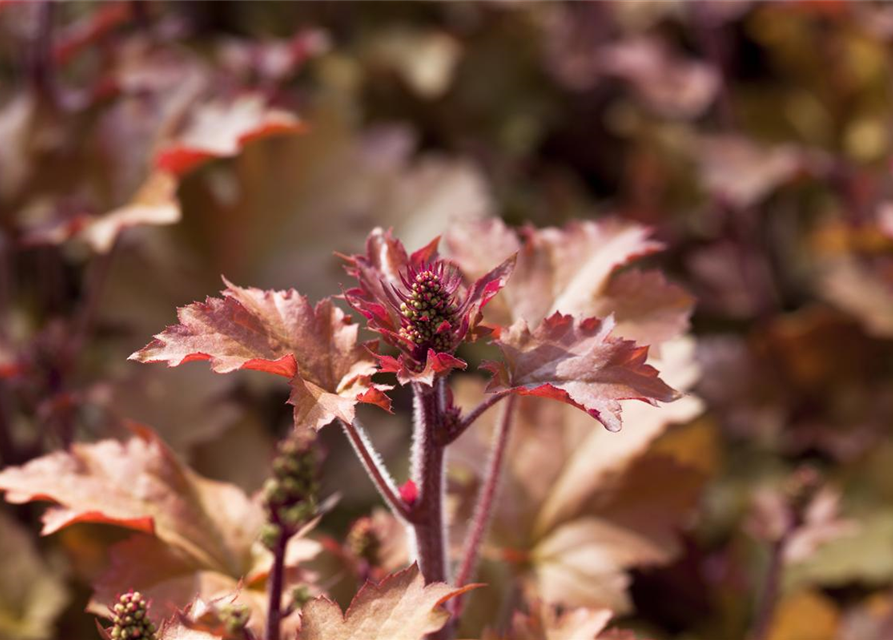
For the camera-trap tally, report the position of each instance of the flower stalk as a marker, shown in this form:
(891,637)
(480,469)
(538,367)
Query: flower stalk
(289,502)
(428,526)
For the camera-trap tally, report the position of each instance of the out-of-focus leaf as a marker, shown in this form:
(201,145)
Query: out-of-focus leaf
(220,130)
(865,556)
(545,623)
(139,484)
(572,270)
(742,172)
(400,607)
(864,292)
(578,362)
(425,60)
(806,615)
(666,82)
(155,203)
(186,406)
(278,332)
(32,593)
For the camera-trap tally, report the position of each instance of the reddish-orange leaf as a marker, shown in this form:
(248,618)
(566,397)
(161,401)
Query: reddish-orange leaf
(220,130)
(139,484)
(279,332)
(578,362)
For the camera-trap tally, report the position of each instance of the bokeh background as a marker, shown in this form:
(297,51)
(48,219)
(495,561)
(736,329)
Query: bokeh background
(755,138)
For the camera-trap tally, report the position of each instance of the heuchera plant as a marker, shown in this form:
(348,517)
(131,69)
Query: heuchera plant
(424,307)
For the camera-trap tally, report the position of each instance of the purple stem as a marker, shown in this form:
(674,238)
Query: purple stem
(376,469)
(483,511)
(274,591)
(428,474)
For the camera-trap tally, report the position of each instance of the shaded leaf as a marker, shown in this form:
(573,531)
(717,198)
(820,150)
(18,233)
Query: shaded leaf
(580,506)
(573,270)
(32,593)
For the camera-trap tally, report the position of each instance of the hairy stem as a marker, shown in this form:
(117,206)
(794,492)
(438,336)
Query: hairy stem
(471,417)
(428,474)
(483,510)
(274,587)
(375,469)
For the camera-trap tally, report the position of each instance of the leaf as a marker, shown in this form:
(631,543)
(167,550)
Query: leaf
(197,536)
(580,506)
(171,579)
(578,362)
(139,484)
(574,270)
(220,130)
(281,333)
(545,623)
(742,172)
(862,291)
(32,593)
(152,396)
(669,84)
(806,615)
(154,203)
(400,607)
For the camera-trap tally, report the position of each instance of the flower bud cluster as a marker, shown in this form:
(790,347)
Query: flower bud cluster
(363,541)
(290,494)
(427,306)
(130,618)
(234,617)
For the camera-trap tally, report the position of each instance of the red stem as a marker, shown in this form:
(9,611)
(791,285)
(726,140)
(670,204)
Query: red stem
(274,591)
(428,473)
(376,470)
(483,511)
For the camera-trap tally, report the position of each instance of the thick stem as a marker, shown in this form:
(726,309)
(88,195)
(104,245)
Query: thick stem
(771,585)
(483,511)
(274,587)
(428,474)
(376,469)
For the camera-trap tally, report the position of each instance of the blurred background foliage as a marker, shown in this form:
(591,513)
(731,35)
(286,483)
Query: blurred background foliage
(753,137)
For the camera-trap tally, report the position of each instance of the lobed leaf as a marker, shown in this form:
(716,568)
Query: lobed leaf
(139,484)
(278,332)
(400,607)
(577,362)
(574,270)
